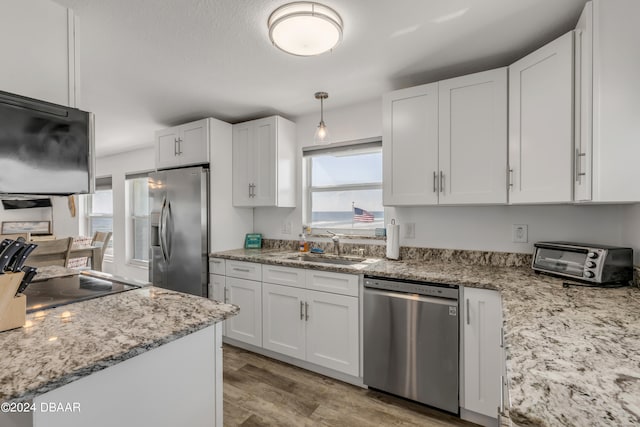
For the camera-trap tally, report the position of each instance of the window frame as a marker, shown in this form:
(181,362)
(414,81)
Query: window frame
(101,184)
(131,219)
(308,190)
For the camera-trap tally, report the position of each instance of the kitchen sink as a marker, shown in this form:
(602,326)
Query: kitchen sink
(329,259)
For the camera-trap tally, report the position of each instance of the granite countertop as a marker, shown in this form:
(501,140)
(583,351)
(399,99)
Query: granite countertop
(66,343)
(573,354)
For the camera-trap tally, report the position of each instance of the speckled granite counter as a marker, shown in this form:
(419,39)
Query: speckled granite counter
(573,354)
(64,344)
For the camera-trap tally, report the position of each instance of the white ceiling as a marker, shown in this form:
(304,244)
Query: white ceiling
(150,64)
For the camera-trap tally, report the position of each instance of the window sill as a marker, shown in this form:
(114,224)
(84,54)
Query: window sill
(347,236)
(143,265)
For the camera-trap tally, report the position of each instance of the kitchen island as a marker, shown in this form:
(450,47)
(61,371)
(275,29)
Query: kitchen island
(148,356)
(573,354)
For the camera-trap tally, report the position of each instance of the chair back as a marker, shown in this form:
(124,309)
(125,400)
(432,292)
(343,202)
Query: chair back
(100,238)
(51,252)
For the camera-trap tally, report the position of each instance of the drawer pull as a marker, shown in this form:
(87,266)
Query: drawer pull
(243,270)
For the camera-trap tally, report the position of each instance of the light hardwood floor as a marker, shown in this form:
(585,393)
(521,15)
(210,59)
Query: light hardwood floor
(259,391)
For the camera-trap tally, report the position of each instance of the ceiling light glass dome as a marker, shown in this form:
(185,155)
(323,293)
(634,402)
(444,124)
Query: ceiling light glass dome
(305,28)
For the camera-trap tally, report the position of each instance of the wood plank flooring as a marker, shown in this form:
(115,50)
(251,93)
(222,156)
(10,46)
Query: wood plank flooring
(259,391)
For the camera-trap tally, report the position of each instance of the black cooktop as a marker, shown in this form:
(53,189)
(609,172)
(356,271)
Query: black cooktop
(66,290)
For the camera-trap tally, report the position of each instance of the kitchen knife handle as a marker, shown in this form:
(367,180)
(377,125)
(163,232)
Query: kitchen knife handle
(468,313)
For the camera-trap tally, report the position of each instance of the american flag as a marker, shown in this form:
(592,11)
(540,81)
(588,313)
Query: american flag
(360,215)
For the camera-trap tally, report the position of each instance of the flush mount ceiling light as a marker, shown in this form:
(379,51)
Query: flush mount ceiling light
(321,132)
(305,28)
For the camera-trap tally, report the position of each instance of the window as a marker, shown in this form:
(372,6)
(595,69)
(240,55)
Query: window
(100,210)
(138,217)
(343,187)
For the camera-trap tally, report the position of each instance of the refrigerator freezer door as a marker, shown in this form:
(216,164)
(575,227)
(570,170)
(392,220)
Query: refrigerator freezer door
(183,232)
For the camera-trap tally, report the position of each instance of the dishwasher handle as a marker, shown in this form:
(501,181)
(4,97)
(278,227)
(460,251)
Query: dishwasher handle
(412,297)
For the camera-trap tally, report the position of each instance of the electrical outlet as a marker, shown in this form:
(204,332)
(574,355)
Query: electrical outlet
(520,233)
(409,230)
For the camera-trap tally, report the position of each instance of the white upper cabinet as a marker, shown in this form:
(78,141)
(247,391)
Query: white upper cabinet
(264,163)
(541,124)
(446,142)
(410,146)
(183,145)
(473,138)
(38,50)
(607,102)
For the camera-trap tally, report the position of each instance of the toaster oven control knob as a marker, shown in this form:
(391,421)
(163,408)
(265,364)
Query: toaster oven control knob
(592,255)
(590,274)
(591,264)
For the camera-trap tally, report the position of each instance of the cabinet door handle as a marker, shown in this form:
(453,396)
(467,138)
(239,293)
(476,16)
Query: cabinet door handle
(441,182)
(468,313)
(253,190)
(435,182)
(306,311)
(501,407)
(301,310)
(179,146)
(510,173)
(243,270)
(579,172)
(175,146)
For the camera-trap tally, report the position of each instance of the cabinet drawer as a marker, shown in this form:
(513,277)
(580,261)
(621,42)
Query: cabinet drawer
(216,266)
(283,276)
(337,283)
(243,270)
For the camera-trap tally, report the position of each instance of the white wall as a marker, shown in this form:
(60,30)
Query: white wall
(460,227)
(631,231)
(118,166)
(63,224)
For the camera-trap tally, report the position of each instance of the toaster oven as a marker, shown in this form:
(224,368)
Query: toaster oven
(597,264)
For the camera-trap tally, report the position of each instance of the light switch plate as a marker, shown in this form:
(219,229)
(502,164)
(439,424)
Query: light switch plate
(520,233)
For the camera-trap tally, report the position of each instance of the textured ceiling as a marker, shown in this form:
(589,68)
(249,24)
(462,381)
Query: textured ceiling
(150,64)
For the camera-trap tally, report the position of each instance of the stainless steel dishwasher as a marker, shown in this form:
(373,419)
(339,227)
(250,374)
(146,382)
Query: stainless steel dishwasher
(411,340)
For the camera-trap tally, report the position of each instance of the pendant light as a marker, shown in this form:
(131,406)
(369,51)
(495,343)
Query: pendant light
(321,132)
(305,28)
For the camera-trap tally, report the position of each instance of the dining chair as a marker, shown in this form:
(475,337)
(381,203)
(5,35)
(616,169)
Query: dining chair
(51,252)
(100,239)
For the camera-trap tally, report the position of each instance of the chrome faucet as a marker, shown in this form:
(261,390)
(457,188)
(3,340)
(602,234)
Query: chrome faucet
(336,242)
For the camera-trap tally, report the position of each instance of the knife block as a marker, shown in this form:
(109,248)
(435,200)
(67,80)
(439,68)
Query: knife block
(13,308)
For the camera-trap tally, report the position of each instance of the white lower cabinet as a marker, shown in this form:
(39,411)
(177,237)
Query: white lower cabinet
(332,331)
(283,320)
(317,326)
(482,351)
(247,325)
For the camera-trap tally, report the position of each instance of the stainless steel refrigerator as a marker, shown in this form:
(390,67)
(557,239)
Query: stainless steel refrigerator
(179,235)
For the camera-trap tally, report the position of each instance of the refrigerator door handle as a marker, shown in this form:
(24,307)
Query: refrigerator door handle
(161,230)
(167,233)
